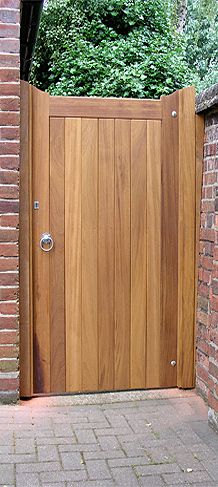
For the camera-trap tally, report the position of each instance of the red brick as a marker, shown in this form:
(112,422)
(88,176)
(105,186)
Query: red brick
(9,206)
(8,104)
(9,74)
(12,148)
(215,255)
(9,147)
(9,30)
(9,133)
(9,278)
(8,322)
(9,221)
(213,370)
(8,293)
(10,3)
(8,337)
(9,16)
(9,177)
(9,384)
(8,264)
(209,178)
(9,45)
(213,402)
(202,373)
(202,346)
(206,248)
(206,262)
(8,235)
(9,89)
(8,352)
(8,366)
(214,303)
(9,60)
(202,317)
(214,285)
(203,303)
(9,118)
(208,192)
(9,192)
(214,318)
(207,234)
(203,289)
(9,162)
(8,250)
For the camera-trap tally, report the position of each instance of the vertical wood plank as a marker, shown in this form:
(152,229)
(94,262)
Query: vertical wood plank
(56,282)
(122,254)
(154,254)
(25,244)
(73,278)
(89,254)
(138,252)
(186,238)
(41,224)
(169,239)
(106,255)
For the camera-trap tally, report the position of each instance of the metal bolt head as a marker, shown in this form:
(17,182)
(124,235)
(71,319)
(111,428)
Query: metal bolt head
(174,114)
(173,363)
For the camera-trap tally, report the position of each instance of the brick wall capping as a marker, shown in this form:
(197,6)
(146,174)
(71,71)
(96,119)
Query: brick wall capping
(207,99)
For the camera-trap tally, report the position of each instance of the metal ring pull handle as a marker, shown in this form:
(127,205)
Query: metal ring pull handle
(46,242)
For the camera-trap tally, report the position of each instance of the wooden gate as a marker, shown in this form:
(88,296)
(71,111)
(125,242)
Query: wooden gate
(113,181)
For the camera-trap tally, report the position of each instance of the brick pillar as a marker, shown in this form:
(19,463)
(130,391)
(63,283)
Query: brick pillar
(9,194)
(207,312)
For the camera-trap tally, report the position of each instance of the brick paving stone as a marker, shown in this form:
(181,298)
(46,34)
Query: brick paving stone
(72,460)
(27,480)
(157,469)
(97,470)
(63,476)
(27,446)
(185,478)
(151,481)
(81,447)
(124,476)
(101,455)
(38,467)
(85,436)
(108,443)
(13,459)
(46,454)
(92,483)
(128,462)
(6,474)
(56,441)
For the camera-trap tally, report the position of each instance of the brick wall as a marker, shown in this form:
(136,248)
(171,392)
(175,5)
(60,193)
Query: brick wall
(207,312)
(9,178)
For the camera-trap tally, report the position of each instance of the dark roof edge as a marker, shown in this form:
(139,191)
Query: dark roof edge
(207,99)
(30,17)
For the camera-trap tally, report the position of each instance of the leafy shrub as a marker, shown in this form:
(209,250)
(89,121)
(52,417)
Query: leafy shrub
(121,48)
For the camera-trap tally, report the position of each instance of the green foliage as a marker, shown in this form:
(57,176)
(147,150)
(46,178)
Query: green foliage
(202,41)
(122,48)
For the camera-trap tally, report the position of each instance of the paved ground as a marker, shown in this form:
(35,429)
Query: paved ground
(129,439)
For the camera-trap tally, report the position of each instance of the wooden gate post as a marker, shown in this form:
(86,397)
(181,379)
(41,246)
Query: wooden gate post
(186,238)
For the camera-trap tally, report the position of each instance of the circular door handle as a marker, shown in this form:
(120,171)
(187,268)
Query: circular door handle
(46,242)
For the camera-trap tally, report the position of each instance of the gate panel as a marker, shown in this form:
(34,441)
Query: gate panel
(113,302)
(138,252)
(106,247)
(89,254)
(122,254)
(57,260)
(153,358)
(73,258)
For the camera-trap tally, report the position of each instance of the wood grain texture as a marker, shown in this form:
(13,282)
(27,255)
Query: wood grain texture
(186,238)
(41,224)
(106,255)
(57,281)
(89,254)
(25,244)
(153,358)
(122,254)
(138,252)
(62,106)
(73,258)
(169,241)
